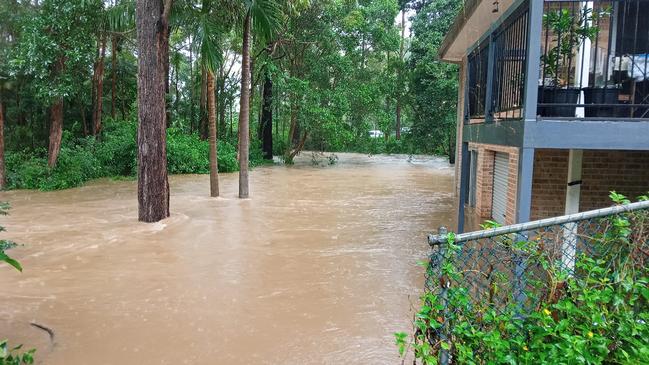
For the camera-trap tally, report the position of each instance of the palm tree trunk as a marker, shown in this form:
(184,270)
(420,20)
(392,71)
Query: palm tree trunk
(99,83)
(203,105)
(222,106)
(399,75)
(153,184)
(244,111)
(267,119)
(211,106)
(191,85)
(113,86)
(3,178)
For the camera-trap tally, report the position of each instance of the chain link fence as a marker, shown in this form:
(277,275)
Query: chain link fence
(518,268)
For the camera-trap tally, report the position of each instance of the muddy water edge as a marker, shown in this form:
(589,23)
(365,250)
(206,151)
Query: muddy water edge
(318,267)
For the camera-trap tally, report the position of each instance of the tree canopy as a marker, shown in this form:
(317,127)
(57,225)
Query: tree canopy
(334,71)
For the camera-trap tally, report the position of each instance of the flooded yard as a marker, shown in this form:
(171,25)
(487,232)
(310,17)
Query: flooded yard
(316,268)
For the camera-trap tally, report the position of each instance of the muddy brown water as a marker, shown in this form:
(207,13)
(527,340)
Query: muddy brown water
(318,267)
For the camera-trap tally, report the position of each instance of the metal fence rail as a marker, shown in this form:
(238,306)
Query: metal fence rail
(500,269)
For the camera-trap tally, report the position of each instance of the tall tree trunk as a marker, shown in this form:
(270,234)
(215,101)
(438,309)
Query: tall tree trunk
(177,97)
(222,107)
(56,131)
(153,184)
(231,119)
(191,85)
(267,119)
(3,179)
(400,74)
(166,66)
(99,84)
(84,122)
(203,105)
(113,86)
(244,111)
(398,127)
(211,106)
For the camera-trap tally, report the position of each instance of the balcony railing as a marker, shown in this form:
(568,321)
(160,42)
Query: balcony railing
(594,59)
(499,94)
(594,63)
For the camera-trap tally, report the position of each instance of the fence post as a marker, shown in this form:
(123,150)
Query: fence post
(444,283)
(520,267)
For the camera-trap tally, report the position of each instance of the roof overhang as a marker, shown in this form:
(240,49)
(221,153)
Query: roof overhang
(471,24)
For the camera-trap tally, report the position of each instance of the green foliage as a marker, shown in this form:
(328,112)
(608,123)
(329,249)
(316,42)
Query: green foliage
(596,315)
(569,31)
(5,244)
(12,356)
(433,84)
(56,47)
(115,154)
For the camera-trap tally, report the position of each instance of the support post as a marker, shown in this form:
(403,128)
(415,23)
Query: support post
(525,176)
(464,183)
(535,29)
(523,209)
(573,192)
(444,283)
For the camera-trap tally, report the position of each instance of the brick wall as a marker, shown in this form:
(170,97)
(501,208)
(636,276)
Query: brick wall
(549,183)
(626,172)
(484,179)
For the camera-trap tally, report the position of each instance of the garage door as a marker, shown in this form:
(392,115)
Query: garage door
(501,178)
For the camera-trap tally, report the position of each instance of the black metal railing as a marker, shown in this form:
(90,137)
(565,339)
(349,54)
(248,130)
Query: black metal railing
(594,59)
(478,62)
(509,60)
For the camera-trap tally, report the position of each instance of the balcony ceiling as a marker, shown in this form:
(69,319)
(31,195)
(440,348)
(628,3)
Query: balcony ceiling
(474,20)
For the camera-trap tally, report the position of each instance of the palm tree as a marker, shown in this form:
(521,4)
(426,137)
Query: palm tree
(262,17)
(208,29)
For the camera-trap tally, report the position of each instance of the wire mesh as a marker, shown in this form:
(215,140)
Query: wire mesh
(517,271)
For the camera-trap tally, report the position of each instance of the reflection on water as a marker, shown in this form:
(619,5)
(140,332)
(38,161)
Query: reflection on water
(316,268)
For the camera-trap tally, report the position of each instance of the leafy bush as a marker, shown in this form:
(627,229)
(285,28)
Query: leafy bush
(117,151)
(187,154)
(598,315)
(115,155)
(11,356)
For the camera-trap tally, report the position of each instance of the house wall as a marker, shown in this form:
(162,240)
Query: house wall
(626,172)
(485,178)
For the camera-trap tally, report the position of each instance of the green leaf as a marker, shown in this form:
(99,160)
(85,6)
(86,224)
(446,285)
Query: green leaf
(10,261)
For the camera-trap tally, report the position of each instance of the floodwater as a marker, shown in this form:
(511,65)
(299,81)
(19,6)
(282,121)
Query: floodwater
(318,267)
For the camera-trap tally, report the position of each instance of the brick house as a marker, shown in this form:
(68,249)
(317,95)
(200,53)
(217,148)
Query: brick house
(553,108)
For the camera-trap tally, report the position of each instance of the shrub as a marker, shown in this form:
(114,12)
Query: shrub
(598,315)
(186,154)
(117,151)
(115,155)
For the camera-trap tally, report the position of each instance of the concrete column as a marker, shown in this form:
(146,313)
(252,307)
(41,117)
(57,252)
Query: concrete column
(573,193)
(535,30)
(525,176)
(464,183)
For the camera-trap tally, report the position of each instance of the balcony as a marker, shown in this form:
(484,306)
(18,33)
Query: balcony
(594,64)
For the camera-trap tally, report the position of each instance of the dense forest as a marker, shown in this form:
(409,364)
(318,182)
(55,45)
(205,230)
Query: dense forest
(96,88)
